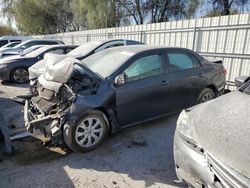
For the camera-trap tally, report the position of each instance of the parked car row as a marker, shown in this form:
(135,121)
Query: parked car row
(5,40)
(23,56)
(18,49)
(15,68)
(101,87)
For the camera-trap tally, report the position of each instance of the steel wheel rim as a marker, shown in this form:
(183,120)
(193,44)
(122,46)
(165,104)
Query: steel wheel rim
(89,132)
(21,75)
(207,97)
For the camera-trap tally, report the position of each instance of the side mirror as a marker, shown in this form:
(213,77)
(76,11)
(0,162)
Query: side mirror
(23,47)
(120,80)
(240,80)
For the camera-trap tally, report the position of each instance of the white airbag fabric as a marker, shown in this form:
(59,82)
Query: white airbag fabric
(58,70)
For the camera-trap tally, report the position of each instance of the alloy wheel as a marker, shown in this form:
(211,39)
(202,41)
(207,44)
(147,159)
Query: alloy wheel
(20,75)
(89,132)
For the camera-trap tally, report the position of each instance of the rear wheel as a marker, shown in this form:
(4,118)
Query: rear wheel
(19,75)
(207,94)
(88,133)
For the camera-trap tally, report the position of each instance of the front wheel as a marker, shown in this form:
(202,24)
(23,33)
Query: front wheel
(88,133)
(206,94)
(19,75)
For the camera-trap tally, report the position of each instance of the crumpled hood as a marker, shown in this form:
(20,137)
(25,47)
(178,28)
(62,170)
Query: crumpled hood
(222,128)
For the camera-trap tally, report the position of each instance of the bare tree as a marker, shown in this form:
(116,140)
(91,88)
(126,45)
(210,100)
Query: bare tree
(137,9)
(224,7)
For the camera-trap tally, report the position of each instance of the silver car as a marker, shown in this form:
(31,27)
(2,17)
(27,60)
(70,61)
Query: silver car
(211,144)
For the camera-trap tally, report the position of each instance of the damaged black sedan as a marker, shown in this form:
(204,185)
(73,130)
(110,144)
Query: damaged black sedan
(80,103)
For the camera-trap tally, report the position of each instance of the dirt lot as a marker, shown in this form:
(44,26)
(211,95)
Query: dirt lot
(140,156)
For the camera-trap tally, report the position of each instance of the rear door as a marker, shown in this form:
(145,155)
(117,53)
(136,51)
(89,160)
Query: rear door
(146,93)
(186,76)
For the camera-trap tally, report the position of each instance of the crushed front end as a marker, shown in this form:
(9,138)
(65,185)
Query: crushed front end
(55,92)
(45,113)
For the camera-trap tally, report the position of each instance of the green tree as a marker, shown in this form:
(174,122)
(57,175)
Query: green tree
(102,13)
(5,30)
(42,17)
(79,21)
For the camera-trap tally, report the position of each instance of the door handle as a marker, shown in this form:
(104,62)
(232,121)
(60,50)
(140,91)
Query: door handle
(164,83)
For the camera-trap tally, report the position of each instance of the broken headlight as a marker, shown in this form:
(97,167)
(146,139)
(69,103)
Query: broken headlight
(183,125)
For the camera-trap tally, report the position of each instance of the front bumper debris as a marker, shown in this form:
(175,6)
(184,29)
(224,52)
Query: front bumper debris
(46,128)
(191,165)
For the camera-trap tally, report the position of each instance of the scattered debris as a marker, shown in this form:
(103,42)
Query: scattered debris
(117,145)
(20,135)
(177,181)
(139,142)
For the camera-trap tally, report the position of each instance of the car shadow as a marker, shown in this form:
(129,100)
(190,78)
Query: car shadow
(143,153)
(9,83)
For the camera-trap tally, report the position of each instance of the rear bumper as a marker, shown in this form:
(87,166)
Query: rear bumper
(191,165)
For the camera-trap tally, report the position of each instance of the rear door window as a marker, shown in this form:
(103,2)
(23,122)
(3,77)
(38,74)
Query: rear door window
(181,61)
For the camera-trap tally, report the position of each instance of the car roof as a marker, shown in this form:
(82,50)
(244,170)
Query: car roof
(59,46)
(142,48)
(112,40)
(54,40)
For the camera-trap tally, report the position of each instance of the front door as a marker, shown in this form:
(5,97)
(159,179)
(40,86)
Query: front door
(146,92)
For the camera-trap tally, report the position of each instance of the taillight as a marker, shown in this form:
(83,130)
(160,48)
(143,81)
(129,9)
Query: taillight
(225,71)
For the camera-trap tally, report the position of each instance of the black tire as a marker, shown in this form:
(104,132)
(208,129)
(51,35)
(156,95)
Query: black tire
(19,75)
(70,131)
(206,94)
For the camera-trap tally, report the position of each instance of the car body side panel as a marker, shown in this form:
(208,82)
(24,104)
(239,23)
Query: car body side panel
(143,99)
(186,87)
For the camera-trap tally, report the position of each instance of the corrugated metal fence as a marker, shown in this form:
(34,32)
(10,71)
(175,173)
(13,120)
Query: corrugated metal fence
(225,37)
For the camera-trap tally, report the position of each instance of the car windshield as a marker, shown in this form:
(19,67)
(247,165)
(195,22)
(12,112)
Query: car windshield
(36,52)
(107,62)
(85,48)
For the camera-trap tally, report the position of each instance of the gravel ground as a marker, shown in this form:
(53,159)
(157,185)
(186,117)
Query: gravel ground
(140,156)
